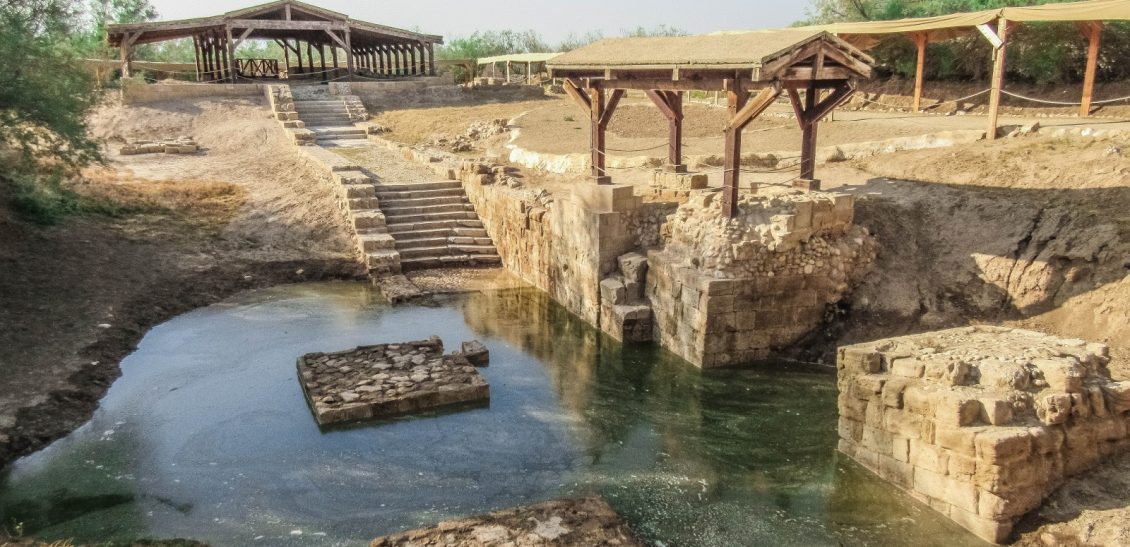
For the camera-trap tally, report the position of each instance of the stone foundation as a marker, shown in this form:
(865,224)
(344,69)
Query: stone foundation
(387,380)
(729,291)
(980,423)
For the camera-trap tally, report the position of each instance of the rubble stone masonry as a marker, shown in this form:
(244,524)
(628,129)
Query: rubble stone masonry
(980,423)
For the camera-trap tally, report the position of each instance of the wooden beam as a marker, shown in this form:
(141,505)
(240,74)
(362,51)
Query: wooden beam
(808,136)
(610,107)
(241,38)
(268,24)
(339,41)
(196,56)
(578,95)
(660,100)
(670,103)
(997,84)
(740,119)
(1094,36)
(920,41)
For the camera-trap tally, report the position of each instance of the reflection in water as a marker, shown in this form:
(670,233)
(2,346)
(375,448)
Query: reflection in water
(206,436)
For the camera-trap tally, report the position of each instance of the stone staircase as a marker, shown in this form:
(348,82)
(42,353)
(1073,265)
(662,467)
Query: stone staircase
(329,118)
(434,225)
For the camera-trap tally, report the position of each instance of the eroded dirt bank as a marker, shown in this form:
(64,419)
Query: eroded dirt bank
(168,234)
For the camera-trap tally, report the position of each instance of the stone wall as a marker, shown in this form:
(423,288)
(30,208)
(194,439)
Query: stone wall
(139,92)
(379,95)
(980,423)
(729,291)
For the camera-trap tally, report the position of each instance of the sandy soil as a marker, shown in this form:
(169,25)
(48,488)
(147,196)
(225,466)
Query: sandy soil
(412,126)
(78,296)
(585,521)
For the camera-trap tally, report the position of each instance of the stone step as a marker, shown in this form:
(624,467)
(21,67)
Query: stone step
(418,242)
(447,250)
(367,219)
(430,217)
(373,242)
(316,109)
(420,227)
(343,123)
(299,103)
(418,186)
(449,260)
(394,212)
(418,194)
(441,233)
(425,202)
(364,204)
(358,191)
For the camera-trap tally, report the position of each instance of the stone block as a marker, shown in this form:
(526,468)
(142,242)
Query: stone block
(860,360)
(996,411)
(997,445)
(613,291)
(605,198)
(633,266)
(476,353)
(1063,374)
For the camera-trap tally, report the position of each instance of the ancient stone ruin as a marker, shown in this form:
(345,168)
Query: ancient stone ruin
(981,423)
(390,380)
(179,145)
(728,291)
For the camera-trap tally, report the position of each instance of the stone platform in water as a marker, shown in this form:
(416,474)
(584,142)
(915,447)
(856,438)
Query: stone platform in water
(981,423)
(585,521)
(387,380)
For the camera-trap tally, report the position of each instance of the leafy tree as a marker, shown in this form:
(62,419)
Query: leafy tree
(659,31)
(46,91)
(493,42)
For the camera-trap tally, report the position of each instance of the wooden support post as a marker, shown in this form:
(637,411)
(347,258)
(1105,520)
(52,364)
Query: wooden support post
(349,66)
(736,97)
(322,61)
(742,111)
(597,132)
(431,59)
(920,41)
(229,52)
(127,53)
(286,59)
(1094,36)
(670,103)
(412,67)
(298,55)
(1000,54)
(808,136)
(507,71)
(310,57)
(529,73)
(196,56)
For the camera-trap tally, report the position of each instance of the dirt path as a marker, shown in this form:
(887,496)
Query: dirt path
(77,297)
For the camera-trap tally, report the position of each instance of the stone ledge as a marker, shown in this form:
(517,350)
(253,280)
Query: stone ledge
(387,380)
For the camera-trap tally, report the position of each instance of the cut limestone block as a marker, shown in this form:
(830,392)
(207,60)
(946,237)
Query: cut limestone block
(387,380)
(981,423)
(476,353)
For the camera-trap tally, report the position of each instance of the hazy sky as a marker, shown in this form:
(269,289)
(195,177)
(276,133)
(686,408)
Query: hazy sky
(554,19)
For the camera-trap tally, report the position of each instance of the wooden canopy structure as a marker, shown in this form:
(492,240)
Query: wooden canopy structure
(813,63)
(377,49)
(994,25)
(530,60)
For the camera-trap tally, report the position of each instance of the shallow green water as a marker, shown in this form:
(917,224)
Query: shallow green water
(207,436)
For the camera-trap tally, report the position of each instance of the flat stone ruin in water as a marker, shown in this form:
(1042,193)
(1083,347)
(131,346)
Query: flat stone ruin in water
(584,521)
(389,380)
(981,423)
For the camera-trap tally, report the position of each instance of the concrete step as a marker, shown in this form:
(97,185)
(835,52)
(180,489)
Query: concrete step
(314,103)
(449,260)
(328,124)
(444,234)
(425,202)
(417,186)
(420,227)
(394,212)
(316,109)
(430,217)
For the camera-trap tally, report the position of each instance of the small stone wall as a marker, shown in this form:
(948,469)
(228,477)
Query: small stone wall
(729,291)
(980,423)
(139,92)
(424,90)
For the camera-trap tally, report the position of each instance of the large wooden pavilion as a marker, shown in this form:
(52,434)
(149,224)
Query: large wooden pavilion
(814,68)
(378,50)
